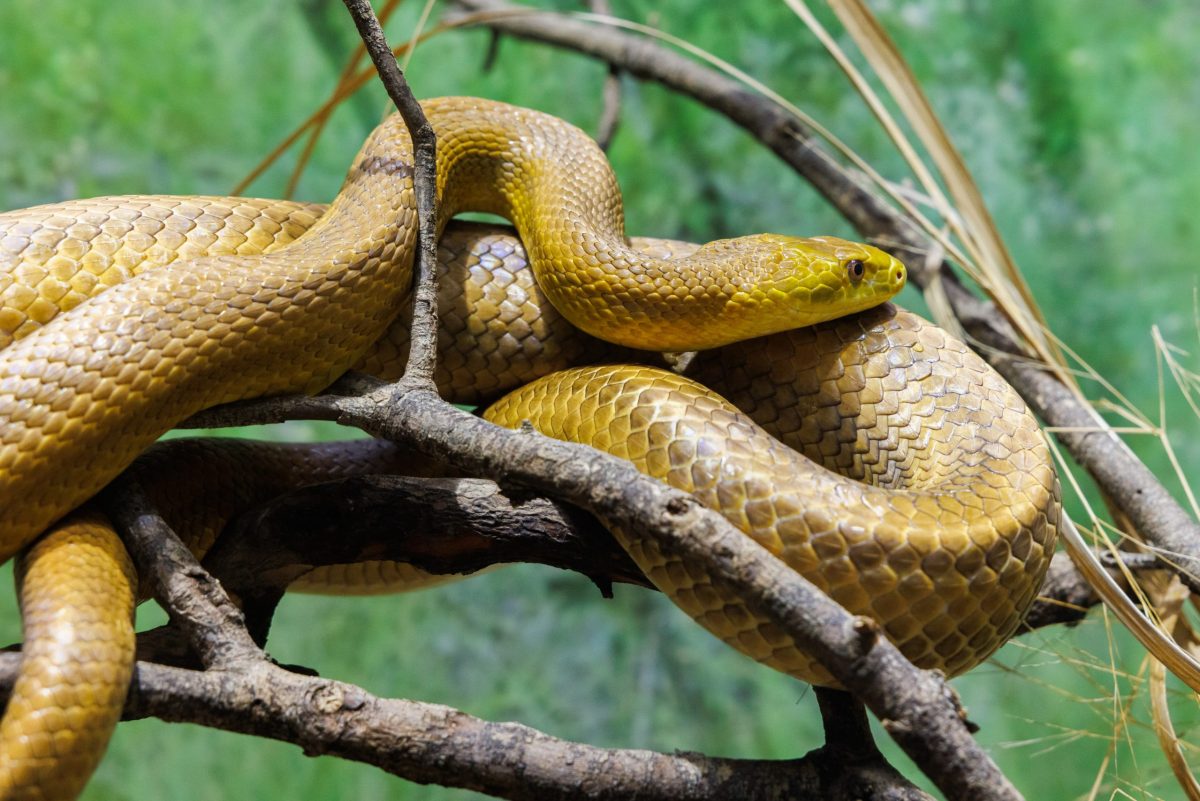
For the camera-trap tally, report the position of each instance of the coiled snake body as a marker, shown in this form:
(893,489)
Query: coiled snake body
(940,523)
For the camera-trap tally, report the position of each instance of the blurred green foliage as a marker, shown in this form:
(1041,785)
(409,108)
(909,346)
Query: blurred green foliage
(1079,121)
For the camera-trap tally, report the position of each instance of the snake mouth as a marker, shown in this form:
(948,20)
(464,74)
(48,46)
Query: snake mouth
(885,274)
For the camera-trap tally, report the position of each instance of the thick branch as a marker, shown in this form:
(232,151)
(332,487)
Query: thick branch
(1116,470)
(433,744)
(917,707)
(442,526)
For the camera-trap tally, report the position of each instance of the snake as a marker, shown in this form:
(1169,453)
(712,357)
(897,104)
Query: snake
(872,452)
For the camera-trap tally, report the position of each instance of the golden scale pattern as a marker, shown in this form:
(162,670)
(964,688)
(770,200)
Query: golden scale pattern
(75,668)
(887,399)
(52,258)
(945,546)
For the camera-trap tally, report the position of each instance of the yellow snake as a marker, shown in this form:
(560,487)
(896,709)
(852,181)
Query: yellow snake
(942,531)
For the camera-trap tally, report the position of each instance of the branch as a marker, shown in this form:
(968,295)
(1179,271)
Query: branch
(449,527)
(423,343)
(241,690)
(850,748)
(195,602)
(1116,470)
(430,743)
(280,409)
(610,113)
(917,707)
(1065,596)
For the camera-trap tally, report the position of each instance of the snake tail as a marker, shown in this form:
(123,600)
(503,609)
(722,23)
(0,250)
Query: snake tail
(77,600)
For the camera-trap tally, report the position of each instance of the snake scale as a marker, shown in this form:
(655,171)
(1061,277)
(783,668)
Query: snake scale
(874,454)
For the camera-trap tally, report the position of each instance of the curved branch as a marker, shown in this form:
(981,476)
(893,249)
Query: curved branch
(917,707)
(443,526)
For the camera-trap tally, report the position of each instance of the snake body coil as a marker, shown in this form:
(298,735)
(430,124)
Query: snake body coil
(939,525)
(83,395)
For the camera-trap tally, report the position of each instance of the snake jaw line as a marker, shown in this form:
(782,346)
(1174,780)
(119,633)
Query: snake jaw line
(725,291)
(824,278)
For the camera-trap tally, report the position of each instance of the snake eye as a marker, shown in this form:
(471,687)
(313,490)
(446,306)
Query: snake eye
(856,270)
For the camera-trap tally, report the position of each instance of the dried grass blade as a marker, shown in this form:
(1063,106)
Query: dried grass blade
(981,233)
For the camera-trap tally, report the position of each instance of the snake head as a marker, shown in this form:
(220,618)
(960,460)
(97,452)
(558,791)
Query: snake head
(822,278)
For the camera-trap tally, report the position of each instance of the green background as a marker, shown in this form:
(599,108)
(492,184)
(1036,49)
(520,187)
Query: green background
(1080,121)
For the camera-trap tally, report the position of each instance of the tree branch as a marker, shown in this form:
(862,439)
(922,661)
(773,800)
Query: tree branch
(434,744)
(195,602)
(610,112)
(917,707)
(1065,596)
(422,355)
(450,527)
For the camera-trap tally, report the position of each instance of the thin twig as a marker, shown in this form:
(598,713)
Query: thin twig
(610,111)
(193,599)
(610,114)
(423,344)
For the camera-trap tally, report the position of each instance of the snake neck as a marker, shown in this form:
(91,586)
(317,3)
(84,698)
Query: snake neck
(555,184)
